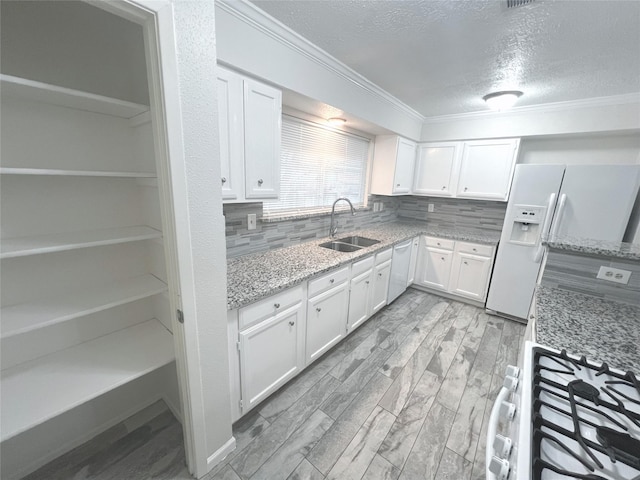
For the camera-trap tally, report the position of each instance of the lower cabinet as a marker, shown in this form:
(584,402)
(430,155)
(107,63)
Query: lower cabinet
(270,354)
(459,268)
(360,299)
(381,276)
(326,320)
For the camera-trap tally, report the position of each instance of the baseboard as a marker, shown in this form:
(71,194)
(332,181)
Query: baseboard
(449,296)
(174,408)
(220,454)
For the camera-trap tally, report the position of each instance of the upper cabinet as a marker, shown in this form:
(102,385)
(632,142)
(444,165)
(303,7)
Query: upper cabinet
(486,168)
(437,169)
(393,162)
(250,124)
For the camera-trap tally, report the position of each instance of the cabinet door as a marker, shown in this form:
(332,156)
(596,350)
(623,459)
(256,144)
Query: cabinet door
(360,299)
(262,130)
(487,168)
(326,320)
(437,168)
(381,276)
(230,122)
(405,160)
(470,275)
(415,244)
(434,267)
(270,355)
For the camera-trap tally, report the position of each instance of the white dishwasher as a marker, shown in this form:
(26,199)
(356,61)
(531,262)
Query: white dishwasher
(400,263)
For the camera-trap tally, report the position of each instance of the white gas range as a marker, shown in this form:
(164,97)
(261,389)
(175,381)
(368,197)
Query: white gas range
(566,417)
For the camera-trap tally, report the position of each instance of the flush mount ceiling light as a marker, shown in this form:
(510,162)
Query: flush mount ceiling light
(502,100)
(336,121)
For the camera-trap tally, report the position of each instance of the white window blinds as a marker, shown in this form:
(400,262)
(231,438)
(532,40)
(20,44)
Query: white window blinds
(318,165)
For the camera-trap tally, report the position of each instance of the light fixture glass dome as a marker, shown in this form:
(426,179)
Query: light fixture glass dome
(502,100)
(336,121)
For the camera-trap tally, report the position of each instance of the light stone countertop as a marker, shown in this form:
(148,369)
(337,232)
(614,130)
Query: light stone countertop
(256,276)
(603,330)
(630,251)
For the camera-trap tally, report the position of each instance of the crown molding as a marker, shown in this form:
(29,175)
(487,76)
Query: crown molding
(624,99)
(260,20)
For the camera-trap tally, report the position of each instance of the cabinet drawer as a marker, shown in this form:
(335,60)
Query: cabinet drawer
(474,249)
(361,266)
(268,307)
(439,243)
(384,256)
(328,281)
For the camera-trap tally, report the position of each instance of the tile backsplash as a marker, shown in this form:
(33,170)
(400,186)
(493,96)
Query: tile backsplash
(276,234)
(577,273)
(454,212)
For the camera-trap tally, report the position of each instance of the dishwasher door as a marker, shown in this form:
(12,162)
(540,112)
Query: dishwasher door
(399,270)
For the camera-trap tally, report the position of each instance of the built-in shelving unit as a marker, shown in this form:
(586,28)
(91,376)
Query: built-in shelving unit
(59,242)
(74,173)
(25,317)
(25,89)
(41,389)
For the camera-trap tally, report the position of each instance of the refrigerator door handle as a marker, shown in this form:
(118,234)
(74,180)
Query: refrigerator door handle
(545,228)
(558,219)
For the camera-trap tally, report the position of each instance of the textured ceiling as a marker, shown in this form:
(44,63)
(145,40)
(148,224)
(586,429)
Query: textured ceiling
(441,57)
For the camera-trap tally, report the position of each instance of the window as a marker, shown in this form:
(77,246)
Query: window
(318,165)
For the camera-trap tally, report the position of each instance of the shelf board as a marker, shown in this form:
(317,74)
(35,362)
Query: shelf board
(73,173)
(23,88)
(36,391)
(26,317)
(58,242)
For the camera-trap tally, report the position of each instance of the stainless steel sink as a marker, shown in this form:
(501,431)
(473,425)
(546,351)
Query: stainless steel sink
(340,246)
(359,241)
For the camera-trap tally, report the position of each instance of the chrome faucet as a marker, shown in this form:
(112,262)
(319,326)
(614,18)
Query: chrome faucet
(333,229)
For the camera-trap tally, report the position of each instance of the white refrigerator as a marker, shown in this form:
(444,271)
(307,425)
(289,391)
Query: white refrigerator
(551,202)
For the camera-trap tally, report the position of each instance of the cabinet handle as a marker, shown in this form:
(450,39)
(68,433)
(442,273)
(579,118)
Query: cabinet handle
(277,305)
(318,309)
(292,323)
(224,180)
(260,182)
(331,280)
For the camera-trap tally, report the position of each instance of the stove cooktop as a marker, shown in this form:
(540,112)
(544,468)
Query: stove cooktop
(585,419)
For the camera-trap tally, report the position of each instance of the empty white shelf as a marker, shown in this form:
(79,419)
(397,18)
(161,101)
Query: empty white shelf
(58,242)
(25,317)
(36,391)
(66,97)
(73,173)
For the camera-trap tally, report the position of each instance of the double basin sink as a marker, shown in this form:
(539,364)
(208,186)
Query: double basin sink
(349,244)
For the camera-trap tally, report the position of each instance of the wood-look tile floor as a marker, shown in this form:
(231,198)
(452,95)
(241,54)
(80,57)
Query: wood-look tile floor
(406,396)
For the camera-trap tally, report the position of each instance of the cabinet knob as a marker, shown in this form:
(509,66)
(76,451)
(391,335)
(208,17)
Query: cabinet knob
(466,263)
(444,188)
(465,189)
(398,185)
(379,274)
(318,309)
(438,243)
(224,180)
(475,249)
(260,182)
(532,316)
(277,305)
(292,323)
(442,258)
(367,282)
(331,280)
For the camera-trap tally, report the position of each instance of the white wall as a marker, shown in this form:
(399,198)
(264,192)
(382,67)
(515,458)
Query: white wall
(79,46)
(595,149)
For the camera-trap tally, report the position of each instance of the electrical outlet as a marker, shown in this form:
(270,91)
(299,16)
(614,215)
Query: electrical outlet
(430,207)
(614,275)
(251,221)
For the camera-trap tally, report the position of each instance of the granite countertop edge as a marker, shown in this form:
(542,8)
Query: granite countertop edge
(252,277)
(603,330)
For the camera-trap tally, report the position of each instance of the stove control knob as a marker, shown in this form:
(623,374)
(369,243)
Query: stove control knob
(499,467)
(510,383)
(507,410)
(502,446)
(513,371)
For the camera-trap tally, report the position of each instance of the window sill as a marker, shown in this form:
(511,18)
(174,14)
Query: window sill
(284,216)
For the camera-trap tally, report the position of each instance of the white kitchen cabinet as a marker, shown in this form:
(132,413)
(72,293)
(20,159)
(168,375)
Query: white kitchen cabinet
(470,275)
(415,250)
(250,124)
(437,168)
(393,163)
(381,276)
(326,320)
(270,354)
(486,168)
(360,298)
(435,267)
